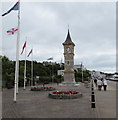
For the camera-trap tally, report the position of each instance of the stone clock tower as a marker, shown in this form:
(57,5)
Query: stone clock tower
(69,77)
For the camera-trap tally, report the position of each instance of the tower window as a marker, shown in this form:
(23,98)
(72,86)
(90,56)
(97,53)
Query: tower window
(68,62)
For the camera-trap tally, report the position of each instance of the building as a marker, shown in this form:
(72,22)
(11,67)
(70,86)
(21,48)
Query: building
(45,63)
(79,67)
(60,72)
(98,74)
(76,67)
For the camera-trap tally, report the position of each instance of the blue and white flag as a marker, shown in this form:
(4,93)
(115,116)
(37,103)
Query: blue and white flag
(15,7)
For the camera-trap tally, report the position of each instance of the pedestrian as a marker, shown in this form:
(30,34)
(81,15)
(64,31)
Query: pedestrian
(99,83)
(105,84)
(44,84)
(95,81)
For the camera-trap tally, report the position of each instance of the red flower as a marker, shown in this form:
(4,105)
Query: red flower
(57,92)
(45,87)
(50,87)
(65,92)
(73,92)
(54,92)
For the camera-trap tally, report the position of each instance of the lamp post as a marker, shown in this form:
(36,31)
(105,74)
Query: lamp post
(82,71)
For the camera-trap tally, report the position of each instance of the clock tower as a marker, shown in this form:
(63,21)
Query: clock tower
(69,77)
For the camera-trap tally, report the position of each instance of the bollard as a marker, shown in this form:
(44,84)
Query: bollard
(92,85)
(92,89)
(93,105)
(92,93)
(92,96)
(93,100)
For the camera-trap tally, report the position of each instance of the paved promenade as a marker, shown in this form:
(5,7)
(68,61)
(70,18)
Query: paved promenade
(36,104)
(106,101)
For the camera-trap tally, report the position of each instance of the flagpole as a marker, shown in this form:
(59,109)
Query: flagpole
(17,58)
(51,68)
(32,68)
(82,71)
(18,38)
(25,67)
(52,71)
(61,70)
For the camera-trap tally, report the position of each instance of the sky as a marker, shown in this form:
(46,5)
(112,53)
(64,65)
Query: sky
(44,25)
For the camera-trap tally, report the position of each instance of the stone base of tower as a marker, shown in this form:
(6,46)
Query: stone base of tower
(69,79)
(68,84)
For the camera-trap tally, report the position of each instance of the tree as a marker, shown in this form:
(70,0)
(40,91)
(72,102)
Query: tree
(78,75)
(7,72)
(45,73)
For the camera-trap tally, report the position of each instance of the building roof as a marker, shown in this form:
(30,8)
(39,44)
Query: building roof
(68,40)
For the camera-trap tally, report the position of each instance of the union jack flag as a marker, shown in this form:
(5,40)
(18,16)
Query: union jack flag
(12,31)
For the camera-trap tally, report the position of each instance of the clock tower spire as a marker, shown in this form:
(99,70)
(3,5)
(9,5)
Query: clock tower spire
(68,39)
(69,77)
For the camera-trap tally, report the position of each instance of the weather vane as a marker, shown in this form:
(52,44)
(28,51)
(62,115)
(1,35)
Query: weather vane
(68,26)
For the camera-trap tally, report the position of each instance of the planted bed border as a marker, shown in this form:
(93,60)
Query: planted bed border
(37,88)
(64,95)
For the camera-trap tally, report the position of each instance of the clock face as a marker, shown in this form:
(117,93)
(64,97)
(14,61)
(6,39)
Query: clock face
(68,49)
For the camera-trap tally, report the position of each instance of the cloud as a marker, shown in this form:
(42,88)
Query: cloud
(92,29)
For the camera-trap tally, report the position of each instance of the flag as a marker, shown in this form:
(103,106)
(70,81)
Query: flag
(23,47)
(12,31)
(61,63)
(81,65)
(29,53)
(50,58)
(15,7)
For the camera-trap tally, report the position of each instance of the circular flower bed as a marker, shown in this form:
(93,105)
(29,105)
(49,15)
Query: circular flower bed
(37,88)
(65,94)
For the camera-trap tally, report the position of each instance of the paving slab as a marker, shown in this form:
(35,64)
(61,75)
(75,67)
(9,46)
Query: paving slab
(106,101)
(37,104)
